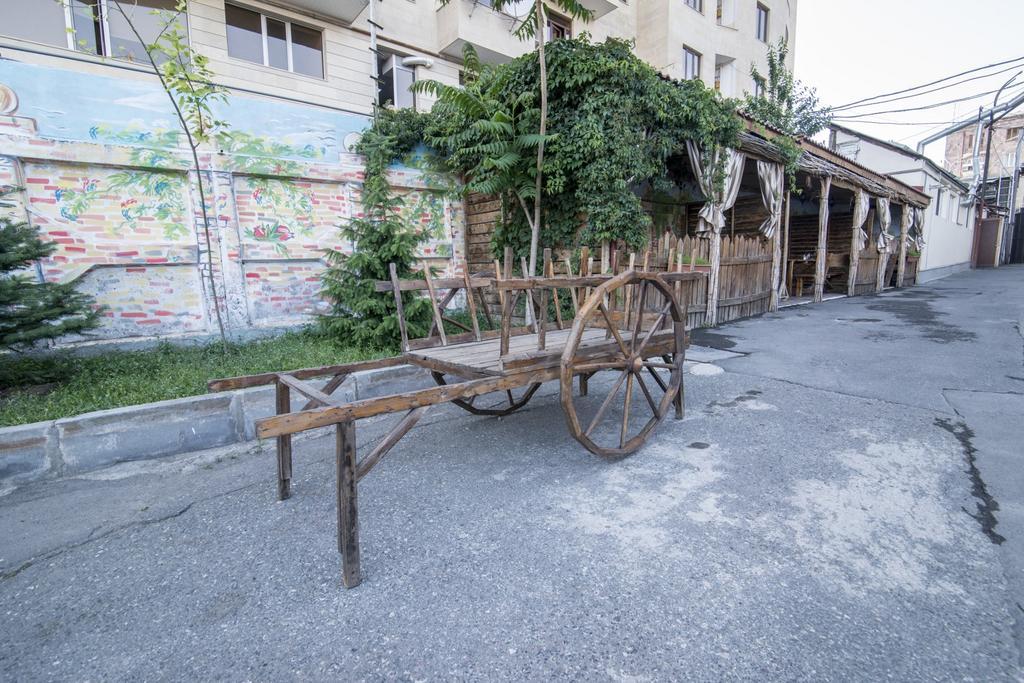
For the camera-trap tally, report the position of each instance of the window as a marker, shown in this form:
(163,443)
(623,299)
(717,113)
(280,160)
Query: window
(558,27)
(91,26)
(395,81)
(1013,133)
(758,89)
(695,4)
(938,202)
(691,63)
(762,23)
(968,141)
(265,40)
(725,12)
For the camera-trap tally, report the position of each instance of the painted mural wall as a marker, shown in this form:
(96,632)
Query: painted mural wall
(103,172)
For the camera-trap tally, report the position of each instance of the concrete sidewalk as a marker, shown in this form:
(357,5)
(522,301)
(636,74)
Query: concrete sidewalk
(842,502)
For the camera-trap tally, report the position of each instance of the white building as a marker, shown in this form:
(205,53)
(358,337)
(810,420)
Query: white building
(949,220)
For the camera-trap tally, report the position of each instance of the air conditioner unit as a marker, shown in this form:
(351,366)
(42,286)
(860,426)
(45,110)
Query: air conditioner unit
(395,81)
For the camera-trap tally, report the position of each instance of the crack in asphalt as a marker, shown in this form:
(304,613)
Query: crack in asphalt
(987,505)
(839,393)
(92,537)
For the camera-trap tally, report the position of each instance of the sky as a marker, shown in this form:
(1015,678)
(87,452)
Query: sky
(854,49)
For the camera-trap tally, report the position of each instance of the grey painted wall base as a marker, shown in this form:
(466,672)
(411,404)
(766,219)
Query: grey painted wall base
(939,273)
(91,441)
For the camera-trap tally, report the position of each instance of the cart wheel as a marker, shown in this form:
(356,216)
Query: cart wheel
(641,350)
(514,403)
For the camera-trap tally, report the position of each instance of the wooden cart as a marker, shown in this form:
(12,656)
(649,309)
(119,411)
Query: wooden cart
(631,323)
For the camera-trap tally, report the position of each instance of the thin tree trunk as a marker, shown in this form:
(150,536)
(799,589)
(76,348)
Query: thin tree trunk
(195,160)
(535,231)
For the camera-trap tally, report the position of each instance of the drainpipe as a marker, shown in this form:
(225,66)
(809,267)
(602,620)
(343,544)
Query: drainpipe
(375,66)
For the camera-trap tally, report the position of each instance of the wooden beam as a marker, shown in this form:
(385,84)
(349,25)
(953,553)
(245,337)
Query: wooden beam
(820,260)
(400,310)
(357,410)
(307,390)
(389,441)
(348,505)
(246,381)
(283,406)
(471,304)
(438,321)
(440,283)
(901,265)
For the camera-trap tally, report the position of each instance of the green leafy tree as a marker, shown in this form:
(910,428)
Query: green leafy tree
(784,102)
(379,237)
(187,79)
(486,135)
(33,311)
(615,123)
(534,26)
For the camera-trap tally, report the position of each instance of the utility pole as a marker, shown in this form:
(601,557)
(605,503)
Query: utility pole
(991,125)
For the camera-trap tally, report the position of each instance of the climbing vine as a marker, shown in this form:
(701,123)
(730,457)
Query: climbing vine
(613,124)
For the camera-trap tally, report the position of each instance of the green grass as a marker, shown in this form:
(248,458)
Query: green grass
(123,378)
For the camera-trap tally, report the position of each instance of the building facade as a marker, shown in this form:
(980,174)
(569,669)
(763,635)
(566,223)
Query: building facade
(92,144)
(949,221)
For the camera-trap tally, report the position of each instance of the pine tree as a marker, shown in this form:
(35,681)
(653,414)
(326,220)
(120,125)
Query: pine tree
(32,311)
(379,237)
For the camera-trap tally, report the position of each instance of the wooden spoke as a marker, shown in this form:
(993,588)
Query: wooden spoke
(625,410)
(591,368)
(607,403)
(614,331)
(639,323)
(655,364)
(654,328)
(647,394)
(657,378)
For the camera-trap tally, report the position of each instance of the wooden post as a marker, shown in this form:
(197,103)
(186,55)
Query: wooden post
(773,302)
(901,265)
(400,311)
(348,509)
(711,315)
(851,280)
(784,275)
(819,262)
(471,303)
(284,444)
(438,322)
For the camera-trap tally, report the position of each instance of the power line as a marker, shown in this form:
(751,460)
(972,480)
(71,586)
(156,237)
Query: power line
(906,123)
(927,92)
(927,106)
(925,85)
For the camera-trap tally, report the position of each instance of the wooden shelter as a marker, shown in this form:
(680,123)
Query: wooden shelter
(843,229)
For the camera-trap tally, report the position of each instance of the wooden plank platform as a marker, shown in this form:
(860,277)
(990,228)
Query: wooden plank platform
(483,357)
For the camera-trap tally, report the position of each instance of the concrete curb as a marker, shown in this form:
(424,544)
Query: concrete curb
(73,445)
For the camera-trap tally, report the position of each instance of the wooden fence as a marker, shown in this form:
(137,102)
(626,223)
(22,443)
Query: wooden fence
(745,277)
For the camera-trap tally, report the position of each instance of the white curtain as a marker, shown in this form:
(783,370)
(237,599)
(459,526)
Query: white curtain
(770,177)
(861,206)
(712,216)
(885,220)
(917,228)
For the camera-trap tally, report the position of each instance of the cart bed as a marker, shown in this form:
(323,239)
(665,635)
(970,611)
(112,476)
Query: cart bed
(483,357)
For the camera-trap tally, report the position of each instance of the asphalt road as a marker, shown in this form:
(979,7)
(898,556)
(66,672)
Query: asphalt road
(844,501)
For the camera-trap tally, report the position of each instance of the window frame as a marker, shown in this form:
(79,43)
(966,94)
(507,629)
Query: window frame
(102,21)
(687,52)
(762,11)
(554,20)
(1015,130)
(288,42)
(695,5)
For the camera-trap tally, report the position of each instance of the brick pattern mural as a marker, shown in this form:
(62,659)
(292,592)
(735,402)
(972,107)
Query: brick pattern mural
(111,185)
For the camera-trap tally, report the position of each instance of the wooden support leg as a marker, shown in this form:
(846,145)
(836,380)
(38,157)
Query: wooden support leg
(348,509)
(679,401)
(284,446)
